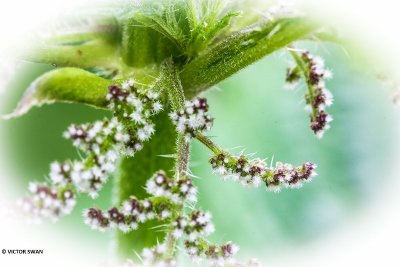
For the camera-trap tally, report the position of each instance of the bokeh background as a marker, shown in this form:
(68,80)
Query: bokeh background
(348,216)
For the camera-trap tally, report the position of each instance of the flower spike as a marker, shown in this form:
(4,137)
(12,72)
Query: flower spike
(193,118)
(317,97)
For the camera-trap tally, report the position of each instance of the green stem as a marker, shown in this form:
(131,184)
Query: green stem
(303,67)
(173,86)
(181,169)
(208,143)
(182,159)
(304,70)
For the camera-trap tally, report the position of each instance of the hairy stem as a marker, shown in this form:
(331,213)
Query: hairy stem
(172,84)
(208,143)
(181,170)
(302,65)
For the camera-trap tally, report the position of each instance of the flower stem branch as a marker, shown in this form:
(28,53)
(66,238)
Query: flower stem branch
(181,169)
(302,66)
(208,143)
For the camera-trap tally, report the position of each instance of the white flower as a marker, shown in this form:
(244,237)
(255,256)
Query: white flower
(221,170)
(125,85)
(256,181)
(131,82)
(147,254)
(162,248)
(157,106)
(165,214)
(137,117)
(177,233)
(192,118)
(192,236)
(143,134)
(142,217)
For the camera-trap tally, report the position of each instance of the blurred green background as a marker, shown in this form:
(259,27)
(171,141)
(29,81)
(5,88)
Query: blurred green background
(253,112)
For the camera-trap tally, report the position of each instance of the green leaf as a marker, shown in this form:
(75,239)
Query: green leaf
(75,86)
(167,21)
(189,25)
(64,85)
(240,50)
(82,53)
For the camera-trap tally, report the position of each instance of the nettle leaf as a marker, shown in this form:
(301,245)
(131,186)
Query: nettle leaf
(82,39)
(190,26)
(73,85)
(208,20)
(167,21)
(240,50)
(82,53)
(64,85)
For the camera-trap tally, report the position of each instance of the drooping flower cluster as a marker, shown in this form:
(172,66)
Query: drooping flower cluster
(48,202)
(194,228)
(99,141)
(128,216)
(217,255)
(103,142)
(195,225)
(253,172)
(194,117)
(156,257)
(178,191)
(317,97)
(133,108)
(289,176)
(166,193)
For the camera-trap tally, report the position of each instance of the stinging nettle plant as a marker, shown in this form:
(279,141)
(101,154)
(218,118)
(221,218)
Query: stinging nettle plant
(147,63)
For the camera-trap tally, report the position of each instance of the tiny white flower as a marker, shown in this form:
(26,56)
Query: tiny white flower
(125,85)
(184,188)
(147,254)
(192,236)
(137,117)
(33,187)
(165,214)
(177,233)
(162,248)
(173,116)
(209,229)
(131,82)
(157,106)
(142,217)
(221,170)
